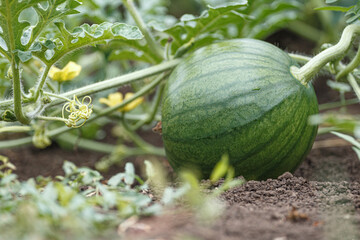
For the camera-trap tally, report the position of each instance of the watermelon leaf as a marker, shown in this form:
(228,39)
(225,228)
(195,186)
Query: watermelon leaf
(64,41)
(22,21)
(211,20)
(348,138)
(268,16)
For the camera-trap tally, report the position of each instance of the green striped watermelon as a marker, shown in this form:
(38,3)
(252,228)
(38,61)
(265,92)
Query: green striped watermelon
(238,97)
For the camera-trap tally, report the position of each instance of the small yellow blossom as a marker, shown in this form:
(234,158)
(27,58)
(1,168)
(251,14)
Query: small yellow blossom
(117,98)
(69,72)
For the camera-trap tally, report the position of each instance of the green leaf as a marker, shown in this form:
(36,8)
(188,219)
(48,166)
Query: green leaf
(69,168)
(268,16)
(116,179)
(189,178)
(334,8)
(354,12)
(11,28)
(330,1)
(344,123)
(348,138)
(170,194)
(220,169)
(339,86)
(84,35)
(132,50)
(129,173)
(154,13)
(54,9)
(192,28)
(357,151)
(149,169)
(22,21)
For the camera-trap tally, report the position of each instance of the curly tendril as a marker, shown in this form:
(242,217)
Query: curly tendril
(78,111)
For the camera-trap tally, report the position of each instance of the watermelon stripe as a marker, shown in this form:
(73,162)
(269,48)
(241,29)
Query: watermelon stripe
(210,105)
(233,84)
(237,97)
(284,126)
(302,125)
(267,166)
(228,55)
(239,56)
(177,87)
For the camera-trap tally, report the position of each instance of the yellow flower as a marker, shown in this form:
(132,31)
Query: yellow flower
(69,72)
(117,98)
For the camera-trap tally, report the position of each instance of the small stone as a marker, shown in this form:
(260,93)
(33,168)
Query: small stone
(286,175)
(280,238)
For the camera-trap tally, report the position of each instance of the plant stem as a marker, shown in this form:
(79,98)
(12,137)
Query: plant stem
(354,85)
(118,81)
(139,93)
(15,129)
(58,96)
(86,143)
(154,108)
(304,59)
(326,106)
(129,4)
(350,67)
(51,118)
(110,83)
(42,82)
(17,93)
(308,71)
(50,86)
(135,138)
(60,130)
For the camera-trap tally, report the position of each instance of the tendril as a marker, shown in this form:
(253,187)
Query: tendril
(77,111)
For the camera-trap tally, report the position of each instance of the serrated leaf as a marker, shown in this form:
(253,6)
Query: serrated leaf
(12,28)
(20,29)
(86,35)
(268,16)
(154,13)
(54,10)
(209,21)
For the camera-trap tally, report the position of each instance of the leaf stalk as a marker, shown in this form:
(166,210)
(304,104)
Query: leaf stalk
(313,66)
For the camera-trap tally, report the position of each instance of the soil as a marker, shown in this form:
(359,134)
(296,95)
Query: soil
(321,200)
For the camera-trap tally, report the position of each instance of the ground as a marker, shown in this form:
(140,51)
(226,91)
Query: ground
(321,200)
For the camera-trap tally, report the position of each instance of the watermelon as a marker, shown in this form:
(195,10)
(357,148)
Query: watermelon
(238,97)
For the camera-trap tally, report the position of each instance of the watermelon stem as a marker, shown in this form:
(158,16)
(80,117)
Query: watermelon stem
(312,67)
(154,46)
(350,67)
(354,85)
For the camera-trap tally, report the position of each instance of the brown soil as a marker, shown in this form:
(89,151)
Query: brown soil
(320,201)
